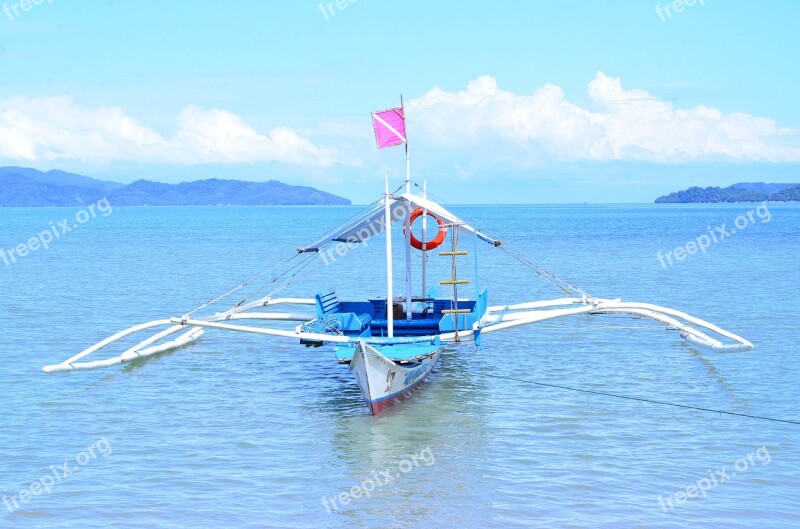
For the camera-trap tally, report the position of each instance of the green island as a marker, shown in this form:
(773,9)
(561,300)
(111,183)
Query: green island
(744,192)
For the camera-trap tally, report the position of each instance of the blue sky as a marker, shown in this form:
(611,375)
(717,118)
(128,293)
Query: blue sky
(508,102)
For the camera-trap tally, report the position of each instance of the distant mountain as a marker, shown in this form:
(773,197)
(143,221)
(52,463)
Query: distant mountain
(21,187)
(744,192)
(60,178)
(215,191)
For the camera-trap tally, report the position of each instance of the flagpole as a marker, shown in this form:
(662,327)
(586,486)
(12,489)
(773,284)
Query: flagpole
(408,155)
(408,221)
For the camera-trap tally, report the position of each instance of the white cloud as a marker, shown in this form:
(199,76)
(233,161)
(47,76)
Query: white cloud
(487,126)
(57,129)
(617,124)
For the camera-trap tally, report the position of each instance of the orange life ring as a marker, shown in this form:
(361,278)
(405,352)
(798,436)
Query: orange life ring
(433,243)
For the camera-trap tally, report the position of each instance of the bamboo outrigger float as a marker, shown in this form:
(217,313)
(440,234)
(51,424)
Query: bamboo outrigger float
(391,343)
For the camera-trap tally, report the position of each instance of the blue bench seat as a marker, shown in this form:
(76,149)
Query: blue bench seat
(347,316)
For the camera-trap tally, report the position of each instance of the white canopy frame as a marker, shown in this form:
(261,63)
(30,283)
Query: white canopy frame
(372,222)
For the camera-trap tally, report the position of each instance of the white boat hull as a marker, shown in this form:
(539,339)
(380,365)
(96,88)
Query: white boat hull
(385,383)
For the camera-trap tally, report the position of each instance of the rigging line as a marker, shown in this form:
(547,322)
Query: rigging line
(298,267)
(641,399)
(299,274)
(545,274)
(264,272)
(242,285)
(293,270)
(299,264)
(542,272)
(561,284)
(302,264)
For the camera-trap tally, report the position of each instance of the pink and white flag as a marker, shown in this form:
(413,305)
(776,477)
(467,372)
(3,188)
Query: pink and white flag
(390,127)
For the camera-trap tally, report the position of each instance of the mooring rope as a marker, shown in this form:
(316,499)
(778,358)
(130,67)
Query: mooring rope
(640,399)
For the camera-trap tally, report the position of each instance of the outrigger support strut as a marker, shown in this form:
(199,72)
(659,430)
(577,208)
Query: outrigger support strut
(505,317)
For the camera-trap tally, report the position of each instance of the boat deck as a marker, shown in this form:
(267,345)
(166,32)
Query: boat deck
(368,319)
(400,353)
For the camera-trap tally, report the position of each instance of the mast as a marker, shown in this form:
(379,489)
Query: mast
(408,221)
(408,263)
(408,156)
(389,297)
(424,240)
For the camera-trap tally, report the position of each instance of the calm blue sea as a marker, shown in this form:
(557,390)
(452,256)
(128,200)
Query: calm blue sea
(248,431)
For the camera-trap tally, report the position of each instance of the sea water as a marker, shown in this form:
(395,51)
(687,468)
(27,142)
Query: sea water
(250,431)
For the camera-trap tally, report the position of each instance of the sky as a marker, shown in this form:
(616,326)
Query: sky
(538,101)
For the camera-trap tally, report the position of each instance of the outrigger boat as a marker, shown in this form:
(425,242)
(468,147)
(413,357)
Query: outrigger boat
(391,344)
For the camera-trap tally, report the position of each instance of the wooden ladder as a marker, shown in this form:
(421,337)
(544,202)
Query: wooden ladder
(454,253)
